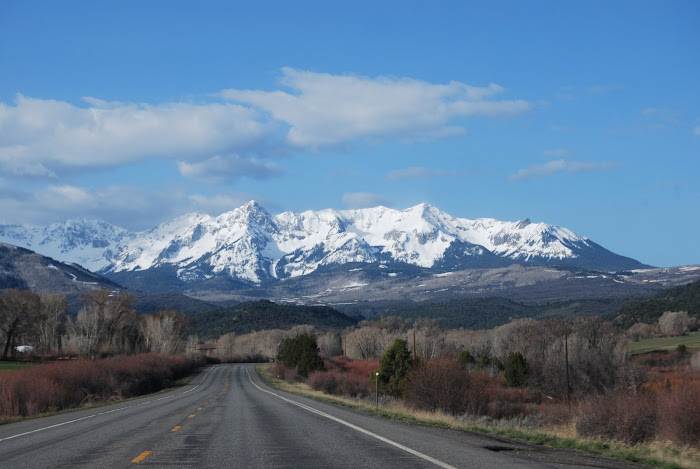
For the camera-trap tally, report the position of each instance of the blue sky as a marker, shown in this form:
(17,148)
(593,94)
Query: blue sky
(579,114)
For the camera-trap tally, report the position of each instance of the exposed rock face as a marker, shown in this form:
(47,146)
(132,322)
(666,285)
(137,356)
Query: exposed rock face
(250,245)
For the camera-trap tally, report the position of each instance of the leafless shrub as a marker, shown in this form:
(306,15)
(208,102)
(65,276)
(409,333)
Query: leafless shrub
(674,322)
(443,384)
(72,383)
(631,419)
(329,344)
(640,331)
(679,415)
(695,361)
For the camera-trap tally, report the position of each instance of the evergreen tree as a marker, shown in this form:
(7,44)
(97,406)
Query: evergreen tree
(517,370)
(394,367)
(465,358)
(302,353)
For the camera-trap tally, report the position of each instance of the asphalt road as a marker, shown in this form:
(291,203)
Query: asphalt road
(227,417)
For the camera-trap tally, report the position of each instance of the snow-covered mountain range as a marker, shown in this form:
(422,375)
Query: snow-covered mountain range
(249,244)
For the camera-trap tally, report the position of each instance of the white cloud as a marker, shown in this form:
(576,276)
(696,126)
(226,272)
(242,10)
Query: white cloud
(364,200)
(132,207)
(414,172)
(127,206)
(553,167)
(218,169)
(42,137)
(221,203)
(696,130)
(326,109)
(71,195)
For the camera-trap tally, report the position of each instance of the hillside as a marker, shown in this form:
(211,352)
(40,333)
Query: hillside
(681,298)
(259,315)
(484,312)
(25,269)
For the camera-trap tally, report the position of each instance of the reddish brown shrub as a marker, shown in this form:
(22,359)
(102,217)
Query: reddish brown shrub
(345,377)
(282,372)
(631,419)
(556,412)
(679,415)
(71,383)
(443,384)
(325,381)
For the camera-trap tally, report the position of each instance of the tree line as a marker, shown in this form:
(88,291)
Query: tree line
(106,324)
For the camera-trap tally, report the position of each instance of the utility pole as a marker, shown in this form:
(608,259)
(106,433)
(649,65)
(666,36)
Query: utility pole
(376,387)
(566,358)
(414,344)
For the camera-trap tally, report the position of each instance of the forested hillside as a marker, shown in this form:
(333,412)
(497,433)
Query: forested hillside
(682,298)
(484,312)
(263,314)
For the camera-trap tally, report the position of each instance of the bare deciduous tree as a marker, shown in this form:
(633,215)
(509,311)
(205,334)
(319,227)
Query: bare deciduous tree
(329,344)
(165,331)
(226,343)
(674,322)
(364,342)
(430,339)
(639,331)
(105,324)
(18,312)
(50,325)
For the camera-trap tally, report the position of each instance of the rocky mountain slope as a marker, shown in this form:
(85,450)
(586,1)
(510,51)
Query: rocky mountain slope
(249,246)
(25,269)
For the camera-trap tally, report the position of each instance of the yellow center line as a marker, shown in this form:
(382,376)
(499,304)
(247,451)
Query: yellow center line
(191,416)
(176,428)
(200,408)
(141,457)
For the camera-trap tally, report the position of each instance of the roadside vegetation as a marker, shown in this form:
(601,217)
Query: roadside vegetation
(68,384)
(632,392)
(565,384)
(50,361)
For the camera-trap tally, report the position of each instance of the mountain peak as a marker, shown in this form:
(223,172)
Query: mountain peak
(522,224)
(251,245)
(253,205)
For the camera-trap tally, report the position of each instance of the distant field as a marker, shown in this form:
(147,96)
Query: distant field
(12,366)
(666,344)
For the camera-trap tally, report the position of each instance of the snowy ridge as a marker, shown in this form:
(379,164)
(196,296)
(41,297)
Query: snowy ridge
(250,244)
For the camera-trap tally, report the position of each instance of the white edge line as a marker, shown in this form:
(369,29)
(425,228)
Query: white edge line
(106,412)
(355,427)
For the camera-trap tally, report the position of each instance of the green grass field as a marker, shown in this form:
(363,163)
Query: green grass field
(12,366)
(666,344)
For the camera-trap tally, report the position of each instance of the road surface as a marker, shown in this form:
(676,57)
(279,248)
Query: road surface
(227,417)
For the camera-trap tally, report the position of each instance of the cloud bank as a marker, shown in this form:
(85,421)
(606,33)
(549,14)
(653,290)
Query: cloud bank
(323,109)
(232,134)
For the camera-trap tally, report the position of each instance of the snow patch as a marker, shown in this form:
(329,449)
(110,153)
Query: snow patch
(355,284)
(446,274)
